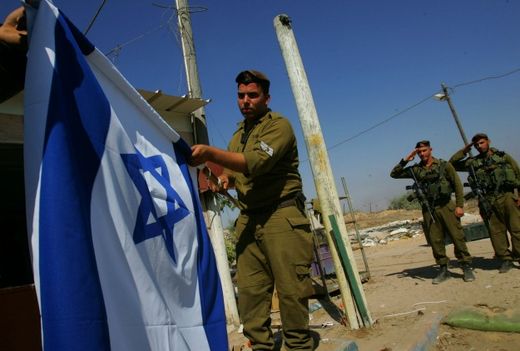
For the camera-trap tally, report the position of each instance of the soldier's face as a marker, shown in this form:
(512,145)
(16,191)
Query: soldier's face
(424,152)
(252,101)
(482,145)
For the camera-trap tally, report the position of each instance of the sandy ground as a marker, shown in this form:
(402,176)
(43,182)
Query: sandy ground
(404,304)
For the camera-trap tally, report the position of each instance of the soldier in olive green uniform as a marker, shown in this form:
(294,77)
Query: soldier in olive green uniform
(438,180)
(274,239)
(498,175)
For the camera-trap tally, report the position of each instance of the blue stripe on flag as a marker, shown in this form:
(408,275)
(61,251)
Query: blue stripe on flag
(73,311)
(210,290)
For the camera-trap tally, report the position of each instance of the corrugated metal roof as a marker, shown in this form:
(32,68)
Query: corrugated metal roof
(176,110)
(171,104)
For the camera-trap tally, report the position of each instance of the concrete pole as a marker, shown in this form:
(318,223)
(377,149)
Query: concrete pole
(209,201)
(322,172)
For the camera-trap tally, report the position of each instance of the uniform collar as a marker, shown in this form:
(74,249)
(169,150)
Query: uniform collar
(242,123)
(434,162)
(486,155)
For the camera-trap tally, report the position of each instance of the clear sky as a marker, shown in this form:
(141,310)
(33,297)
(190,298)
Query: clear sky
(367,61)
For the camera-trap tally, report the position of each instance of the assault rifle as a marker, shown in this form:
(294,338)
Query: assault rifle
(478,191)
(419,194)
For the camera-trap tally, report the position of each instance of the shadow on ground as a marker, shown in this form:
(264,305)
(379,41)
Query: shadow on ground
(429,272)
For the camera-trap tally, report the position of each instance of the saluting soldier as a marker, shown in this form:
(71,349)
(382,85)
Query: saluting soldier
(438,180)
(498,175)
(274,238)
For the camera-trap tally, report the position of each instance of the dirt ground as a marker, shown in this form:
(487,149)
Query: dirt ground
(404,304)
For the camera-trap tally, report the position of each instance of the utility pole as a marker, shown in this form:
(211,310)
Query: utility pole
(446,97)
(200,134)
(336,232)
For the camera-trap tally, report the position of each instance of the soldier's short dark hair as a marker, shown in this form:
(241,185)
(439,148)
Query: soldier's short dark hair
(422,143)
(252,76)
(479,136)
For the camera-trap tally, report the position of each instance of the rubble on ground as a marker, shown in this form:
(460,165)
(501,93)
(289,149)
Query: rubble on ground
(385,233)
(402,229)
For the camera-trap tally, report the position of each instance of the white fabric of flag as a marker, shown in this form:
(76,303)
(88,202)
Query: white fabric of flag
(121,256)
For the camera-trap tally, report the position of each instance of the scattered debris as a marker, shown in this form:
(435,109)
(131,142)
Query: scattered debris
(396,230)
(314,306)
(429,302)
(418,311)
(403,229)
(322,325)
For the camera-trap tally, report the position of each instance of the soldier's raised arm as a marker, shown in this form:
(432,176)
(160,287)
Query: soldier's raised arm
(400,171)
(458,160)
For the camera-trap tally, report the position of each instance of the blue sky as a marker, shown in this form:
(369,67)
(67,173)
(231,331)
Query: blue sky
(366,61)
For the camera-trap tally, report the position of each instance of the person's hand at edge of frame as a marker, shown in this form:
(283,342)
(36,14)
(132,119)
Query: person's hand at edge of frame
(13,51)
(13,31)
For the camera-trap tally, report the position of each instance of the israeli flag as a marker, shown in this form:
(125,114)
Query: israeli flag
(122,259)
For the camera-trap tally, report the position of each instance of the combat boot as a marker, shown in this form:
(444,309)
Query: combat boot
(506,266)
(468,273)
(443,275)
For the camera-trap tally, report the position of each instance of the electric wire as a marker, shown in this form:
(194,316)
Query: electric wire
(117,49)
(95,17)
(168,23)
(516,70)
(364,131)
(475,81)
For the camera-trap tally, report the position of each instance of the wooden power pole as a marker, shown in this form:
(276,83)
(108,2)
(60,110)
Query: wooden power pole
(209,201)
(344,262)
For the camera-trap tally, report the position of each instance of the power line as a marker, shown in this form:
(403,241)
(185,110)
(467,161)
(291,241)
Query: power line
(170,27)
(95,17)
(117,49)
(475,81)
(381,123)
(487,78)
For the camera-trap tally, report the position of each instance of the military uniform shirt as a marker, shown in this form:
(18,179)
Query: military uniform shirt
(420,171)
(461,163)
(271,154)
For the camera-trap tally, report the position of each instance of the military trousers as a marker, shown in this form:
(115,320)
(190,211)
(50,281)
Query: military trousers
(275,249)
(445,221)
(505,217)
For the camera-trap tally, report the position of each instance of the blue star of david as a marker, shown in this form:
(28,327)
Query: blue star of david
(137,165)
